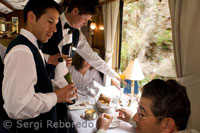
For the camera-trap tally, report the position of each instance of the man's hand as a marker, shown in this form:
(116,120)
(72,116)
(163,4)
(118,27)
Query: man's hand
(64,94)
(124,114)
(53,59)
(103,122)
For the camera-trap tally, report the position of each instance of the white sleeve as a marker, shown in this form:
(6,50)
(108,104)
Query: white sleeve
(131,120)
(101,131)
(84,50)
(2,51)
(20,99)
(97,77)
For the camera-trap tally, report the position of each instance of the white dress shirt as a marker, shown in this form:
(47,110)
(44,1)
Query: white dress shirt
(82,81)
(20,99)
(85,51)
(2,51)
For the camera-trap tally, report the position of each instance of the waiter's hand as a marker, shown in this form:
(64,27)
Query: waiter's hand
(118,77)
(68,61)
(64,94)
(53,59)
(117,85)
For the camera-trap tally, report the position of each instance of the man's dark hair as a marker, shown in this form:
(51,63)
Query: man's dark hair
(169,99)
(84,6)
(39,7)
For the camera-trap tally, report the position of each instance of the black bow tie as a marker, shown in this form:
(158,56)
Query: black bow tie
(71,29)
(40,45)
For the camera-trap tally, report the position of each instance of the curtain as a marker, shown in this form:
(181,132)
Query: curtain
(185,16)
(110,16)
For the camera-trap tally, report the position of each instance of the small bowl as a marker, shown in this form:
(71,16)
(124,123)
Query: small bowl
(90,114)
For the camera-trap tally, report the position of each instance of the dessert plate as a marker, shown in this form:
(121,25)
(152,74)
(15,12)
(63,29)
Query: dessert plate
(114,124)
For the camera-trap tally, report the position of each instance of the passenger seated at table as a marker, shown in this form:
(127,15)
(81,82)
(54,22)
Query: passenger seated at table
(164,107)
(83,74)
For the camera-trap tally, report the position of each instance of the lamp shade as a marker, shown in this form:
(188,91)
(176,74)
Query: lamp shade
(101,27)
(92,25)
(134,71)
(2,28)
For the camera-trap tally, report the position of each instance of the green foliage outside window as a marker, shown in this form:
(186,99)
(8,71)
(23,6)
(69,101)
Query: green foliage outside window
(147,34)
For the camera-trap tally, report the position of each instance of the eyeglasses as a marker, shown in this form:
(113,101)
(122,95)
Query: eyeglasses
(143,117)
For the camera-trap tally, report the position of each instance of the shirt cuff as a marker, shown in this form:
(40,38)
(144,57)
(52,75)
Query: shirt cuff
(101,131)
(131,120)
(46,57)
(52,99)
(113,74)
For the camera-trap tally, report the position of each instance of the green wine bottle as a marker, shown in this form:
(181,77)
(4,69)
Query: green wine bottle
(68,78)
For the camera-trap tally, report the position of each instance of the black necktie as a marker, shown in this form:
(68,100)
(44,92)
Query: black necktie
(40,45)
(71,29)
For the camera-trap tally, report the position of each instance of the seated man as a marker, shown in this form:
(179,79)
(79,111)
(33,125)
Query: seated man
(164,107)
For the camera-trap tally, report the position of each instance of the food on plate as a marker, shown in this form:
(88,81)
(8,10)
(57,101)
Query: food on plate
(104,100)
(90,111)
(107,104)
(90,114)
(107,116)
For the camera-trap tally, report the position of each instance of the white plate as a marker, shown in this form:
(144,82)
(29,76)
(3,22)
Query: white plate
(114,124)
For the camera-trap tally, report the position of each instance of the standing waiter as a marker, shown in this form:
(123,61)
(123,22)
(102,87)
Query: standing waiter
(76,16)
(28,96)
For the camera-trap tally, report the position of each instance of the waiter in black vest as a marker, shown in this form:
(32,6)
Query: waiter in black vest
(29,99)
(76,16)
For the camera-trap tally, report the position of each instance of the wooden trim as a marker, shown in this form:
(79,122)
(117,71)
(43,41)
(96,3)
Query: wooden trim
(7,4)
(105,2)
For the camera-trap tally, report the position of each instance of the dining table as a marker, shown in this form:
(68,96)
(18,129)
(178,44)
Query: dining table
(89,126)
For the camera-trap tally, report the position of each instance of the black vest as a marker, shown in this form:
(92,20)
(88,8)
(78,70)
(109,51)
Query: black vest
(43,85)
(58,114)
(51,47)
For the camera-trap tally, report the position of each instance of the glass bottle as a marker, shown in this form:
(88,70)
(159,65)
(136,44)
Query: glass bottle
(68,78)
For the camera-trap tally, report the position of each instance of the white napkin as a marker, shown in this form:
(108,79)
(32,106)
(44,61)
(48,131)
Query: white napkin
(60,71)
(59,80)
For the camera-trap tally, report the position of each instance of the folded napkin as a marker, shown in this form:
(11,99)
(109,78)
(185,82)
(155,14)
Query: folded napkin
(59,80)
(60,71)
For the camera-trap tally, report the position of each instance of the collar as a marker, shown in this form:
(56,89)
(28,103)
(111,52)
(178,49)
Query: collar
(29,36)
(63,20)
